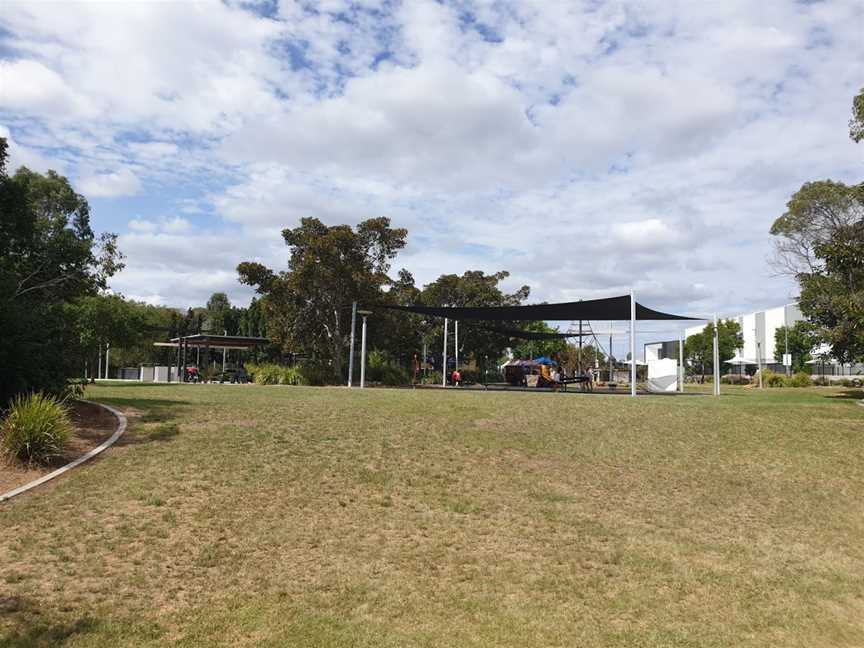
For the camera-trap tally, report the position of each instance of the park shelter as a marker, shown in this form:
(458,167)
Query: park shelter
(209,342)
(621,308)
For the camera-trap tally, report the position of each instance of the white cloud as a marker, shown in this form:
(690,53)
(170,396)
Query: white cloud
(583,146)
(111,184)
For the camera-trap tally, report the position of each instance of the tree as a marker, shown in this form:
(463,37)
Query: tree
(814,214)
(473,288)
(105,319)
(218,311)
(588,356)
(308,306)
(832,296)
(49,256)
(524,349)
(699,348)
(798,339)
(856,124)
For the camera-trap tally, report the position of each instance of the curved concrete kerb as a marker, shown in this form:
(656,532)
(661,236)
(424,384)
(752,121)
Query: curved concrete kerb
(121,428)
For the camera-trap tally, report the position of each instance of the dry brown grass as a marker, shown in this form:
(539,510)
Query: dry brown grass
(276,516)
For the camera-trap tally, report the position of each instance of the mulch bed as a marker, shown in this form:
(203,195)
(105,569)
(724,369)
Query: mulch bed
(93,425)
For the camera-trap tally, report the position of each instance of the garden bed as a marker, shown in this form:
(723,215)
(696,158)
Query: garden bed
(93,425)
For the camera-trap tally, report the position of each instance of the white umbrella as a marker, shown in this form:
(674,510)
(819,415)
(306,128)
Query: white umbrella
(738,360)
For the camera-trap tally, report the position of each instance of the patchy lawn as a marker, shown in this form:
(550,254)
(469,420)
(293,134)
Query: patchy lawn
(274,516)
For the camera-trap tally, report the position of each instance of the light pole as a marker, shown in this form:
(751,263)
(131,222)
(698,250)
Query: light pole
(351,351)
(444,365)
(456,346)
(365,314)
(716,357)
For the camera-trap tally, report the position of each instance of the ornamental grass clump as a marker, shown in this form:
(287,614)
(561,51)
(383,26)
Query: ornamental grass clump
(35,428)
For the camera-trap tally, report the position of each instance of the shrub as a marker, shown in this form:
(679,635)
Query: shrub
(845,382)
(801,379)
(265,374)
(735,379)
(35,428)
(772,379)
(74,390)
(395,376)
(314,374)
(822,381)
(434,378)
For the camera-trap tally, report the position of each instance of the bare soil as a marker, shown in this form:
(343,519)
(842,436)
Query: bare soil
(93,425)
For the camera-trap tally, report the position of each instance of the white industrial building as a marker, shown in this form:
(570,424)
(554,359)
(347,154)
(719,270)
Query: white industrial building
(758,346)
(758,331)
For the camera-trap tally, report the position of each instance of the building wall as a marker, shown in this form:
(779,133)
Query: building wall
(760,327)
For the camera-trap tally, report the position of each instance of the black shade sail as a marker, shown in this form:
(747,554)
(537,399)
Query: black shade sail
(609,308)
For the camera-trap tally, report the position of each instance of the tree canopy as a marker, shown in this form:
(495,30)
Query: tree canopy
(798,339)
(856,123)
(308,306)
(832,296)
(699,348)
(814,214)
(49,257)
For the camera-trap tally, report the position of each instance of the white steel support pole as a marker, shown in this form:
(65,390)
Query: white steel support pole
(759,361)
(456,347)
(224,356)
(444,362)
(363,355)
(681,362)
(99,368)
(351,348)
(716,358)
(107,359)
(632,344)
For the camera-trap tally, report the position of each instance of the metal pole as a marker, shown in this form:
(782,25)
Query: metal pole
(351,351)
(610,352)
(759,361)
(224,351)
(681,362)
(456,349)
(425,372)
(786,352)
(716,358)
(363,355)
(444,364)
(107,359)
(632,344)
(580,347)
(99,372)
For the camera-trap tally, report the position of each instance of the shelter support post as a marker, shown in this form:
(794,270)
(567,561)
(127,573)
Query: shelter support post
(363,355)
(107,360)
(351,346)
(632,344)
(610,352)
(716,358)
(681,362)
(456,344)
(444,359)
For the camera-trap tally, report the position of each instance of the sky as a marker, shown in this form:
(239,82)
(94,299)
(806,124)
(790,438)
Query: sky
(587,147)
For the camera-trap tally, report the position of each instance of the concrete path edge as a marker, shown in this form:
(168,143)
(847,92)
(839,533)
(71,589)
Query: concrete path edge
(121,428)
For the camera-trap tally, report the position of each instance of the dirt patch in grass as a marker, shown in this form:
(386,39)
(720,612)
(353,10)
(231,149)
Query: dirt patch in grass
(93,425)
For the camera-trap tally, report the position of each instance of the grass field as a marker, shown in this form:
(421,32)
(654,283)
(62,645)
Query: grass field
(282,516)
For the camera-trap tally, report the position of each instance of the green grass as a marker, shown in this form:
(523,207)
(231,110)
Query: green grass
(292,516)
